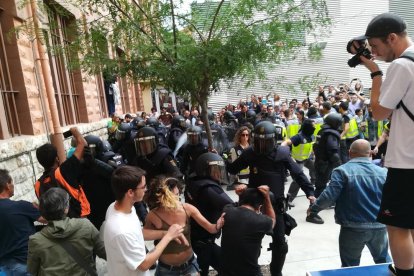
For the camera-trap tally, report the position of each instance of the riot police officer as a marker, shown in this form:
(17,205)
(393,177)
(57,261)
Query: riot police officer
(268,163)
(155,158)
(220,141)
(122,134)
(178,127)
(188,153)
(159,128)
(96,179)
(327,152)
(230,126)
(204,192)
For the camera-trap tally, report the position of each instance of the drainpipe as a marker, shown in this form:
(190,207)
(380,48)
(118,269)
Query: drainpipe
(56,136)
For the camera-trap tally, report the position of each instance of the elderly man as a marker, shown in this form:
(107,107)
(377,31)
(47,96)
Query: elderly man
(66,246)
(356,188)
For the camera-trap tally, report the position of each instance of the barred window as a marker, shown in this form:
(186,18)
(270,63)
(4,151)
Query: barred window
(67,82)
(9,117)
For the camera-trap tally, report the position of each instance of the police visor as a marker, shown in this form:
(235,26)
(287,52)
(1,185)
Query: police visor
(145,145)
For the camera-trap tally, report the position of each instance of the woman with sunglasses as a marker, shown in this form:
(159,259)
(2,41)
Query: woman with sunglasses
(163,200)
(241,142)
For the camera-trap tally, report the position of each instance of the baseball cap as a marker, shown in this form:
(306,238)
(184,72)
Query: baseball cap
(384,24)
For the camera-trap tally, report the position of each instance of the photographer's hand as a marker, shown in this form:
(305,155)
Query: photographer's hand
(369,64)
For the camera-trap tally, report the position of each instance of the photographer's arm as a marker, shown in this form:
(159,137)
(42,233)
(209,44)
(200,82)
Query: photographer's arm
(378,111)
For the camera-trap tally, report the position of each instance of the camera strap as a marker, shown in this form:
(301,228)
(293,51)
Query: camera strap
(409,56)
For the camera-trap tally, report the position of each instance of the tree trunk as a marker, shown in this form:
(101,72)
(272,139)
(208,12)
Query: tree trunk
(204,118)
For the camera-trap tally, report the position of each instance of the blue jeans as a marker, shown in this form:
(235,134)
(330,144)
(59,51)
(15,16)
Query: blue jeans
(13,268)
(353,240)
(189,269)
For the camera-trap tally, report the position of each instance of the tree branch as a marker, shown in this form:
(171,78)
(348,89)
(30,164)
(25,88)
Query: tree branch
(192,25)
(174,29)
(276,15)
(142,31)
(214,20)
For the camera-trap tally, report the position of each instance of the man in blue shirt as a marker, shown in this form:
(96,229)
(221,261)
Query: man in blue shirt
(356,188)
(16,220)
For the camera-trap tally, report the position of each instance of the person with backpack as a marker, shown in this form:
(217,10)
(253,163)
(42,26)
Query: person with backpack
(389,41)
(65,175)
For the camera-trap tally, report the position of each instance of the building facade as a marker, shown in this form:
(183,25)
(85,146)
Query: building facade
(41,95)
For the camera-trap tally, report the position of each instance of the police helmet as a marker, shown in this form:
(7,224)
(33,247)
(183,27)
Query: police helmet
(228,116)
(334,120)
(210,116)
(107,152)
(264,137)
(146,141)
(94,144)
(123,131)
(308,127)
(194,135)
(153,122)
(138,123)
(211,165)
(251,116)
(178,121)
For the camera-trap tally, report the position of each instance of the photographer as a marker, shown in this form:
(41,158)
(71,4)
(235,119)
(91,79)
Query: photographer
(389,41)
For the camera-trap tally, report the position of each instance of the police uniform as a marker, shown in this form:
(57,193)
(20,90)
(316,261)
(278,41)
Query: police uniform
(270,169)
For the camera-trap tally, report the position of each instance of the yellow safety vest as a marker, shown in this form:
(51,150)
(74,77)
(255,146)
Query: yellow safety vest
(302,151)
(317,128)
(292,130)
(380,129)
(353,129)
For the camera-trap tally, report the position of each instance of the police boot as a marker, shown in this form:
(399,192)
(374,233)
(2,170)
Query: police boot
(314,218)
(279,251)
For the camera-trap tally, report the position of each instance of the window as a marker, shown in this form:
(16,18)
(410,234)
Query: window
(9,118)
(67,83)
(123,87)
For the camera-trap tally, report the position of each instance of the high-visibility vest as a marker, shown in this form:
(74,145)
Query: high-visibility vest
(380,129)
(302,151)
(317,128)
(353,129)
(292,130)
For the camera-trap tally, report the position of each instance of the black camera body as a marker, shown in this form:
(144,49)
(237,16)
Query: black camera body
(359,50)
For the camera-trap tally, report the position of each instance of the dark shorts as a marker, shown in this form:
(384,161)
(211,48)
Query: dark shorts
(397,204)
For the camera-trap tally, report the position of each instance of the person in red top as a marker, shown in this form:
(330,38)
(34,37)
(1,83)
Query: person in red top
(65,175)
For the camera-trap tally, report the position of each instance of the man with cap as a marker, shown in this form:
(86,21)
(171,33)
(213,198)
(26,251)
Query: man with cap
(388,38)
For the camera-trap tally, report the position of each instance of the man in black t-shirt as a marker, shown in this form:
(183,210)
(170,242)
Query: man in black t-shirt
(16,220)
(244,230)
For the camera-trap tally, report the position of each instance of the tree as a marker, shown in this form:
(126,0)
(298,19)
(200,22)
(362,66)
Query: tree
(189,53)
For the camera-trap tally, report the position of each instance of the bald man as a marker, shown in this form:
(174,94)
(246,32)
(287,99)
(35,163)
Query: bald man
(356,189)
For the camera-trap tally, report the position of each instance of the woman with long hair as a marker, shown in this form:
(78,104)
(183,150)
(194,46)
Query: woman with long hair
(241,142)
(166,209)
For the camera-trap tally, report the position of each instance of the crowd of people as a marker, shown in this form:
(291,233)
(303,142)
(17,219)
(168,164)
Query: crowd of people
(156,178)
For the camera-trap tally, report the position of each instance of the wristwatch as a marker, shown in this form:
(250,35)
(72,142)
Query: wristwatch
(376,73)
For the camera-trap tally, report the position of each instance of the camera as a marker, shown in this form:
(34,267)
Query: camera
(357,47)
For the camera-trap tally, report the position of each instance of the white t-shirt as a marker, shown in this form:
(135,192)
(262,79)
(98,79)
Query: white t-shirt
(124,243)
(397,86)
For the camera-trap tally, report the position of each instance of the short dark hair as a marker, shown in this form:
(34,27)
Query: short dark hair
(357,110)
(327,105)
(53,203)
(252,197)
(125,178)
(129,116)
(312,111)
(46,155)
(344,105)
(5,179)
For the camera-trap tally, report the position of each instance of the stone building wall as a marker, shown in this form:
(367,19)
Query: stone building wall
(18,156)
